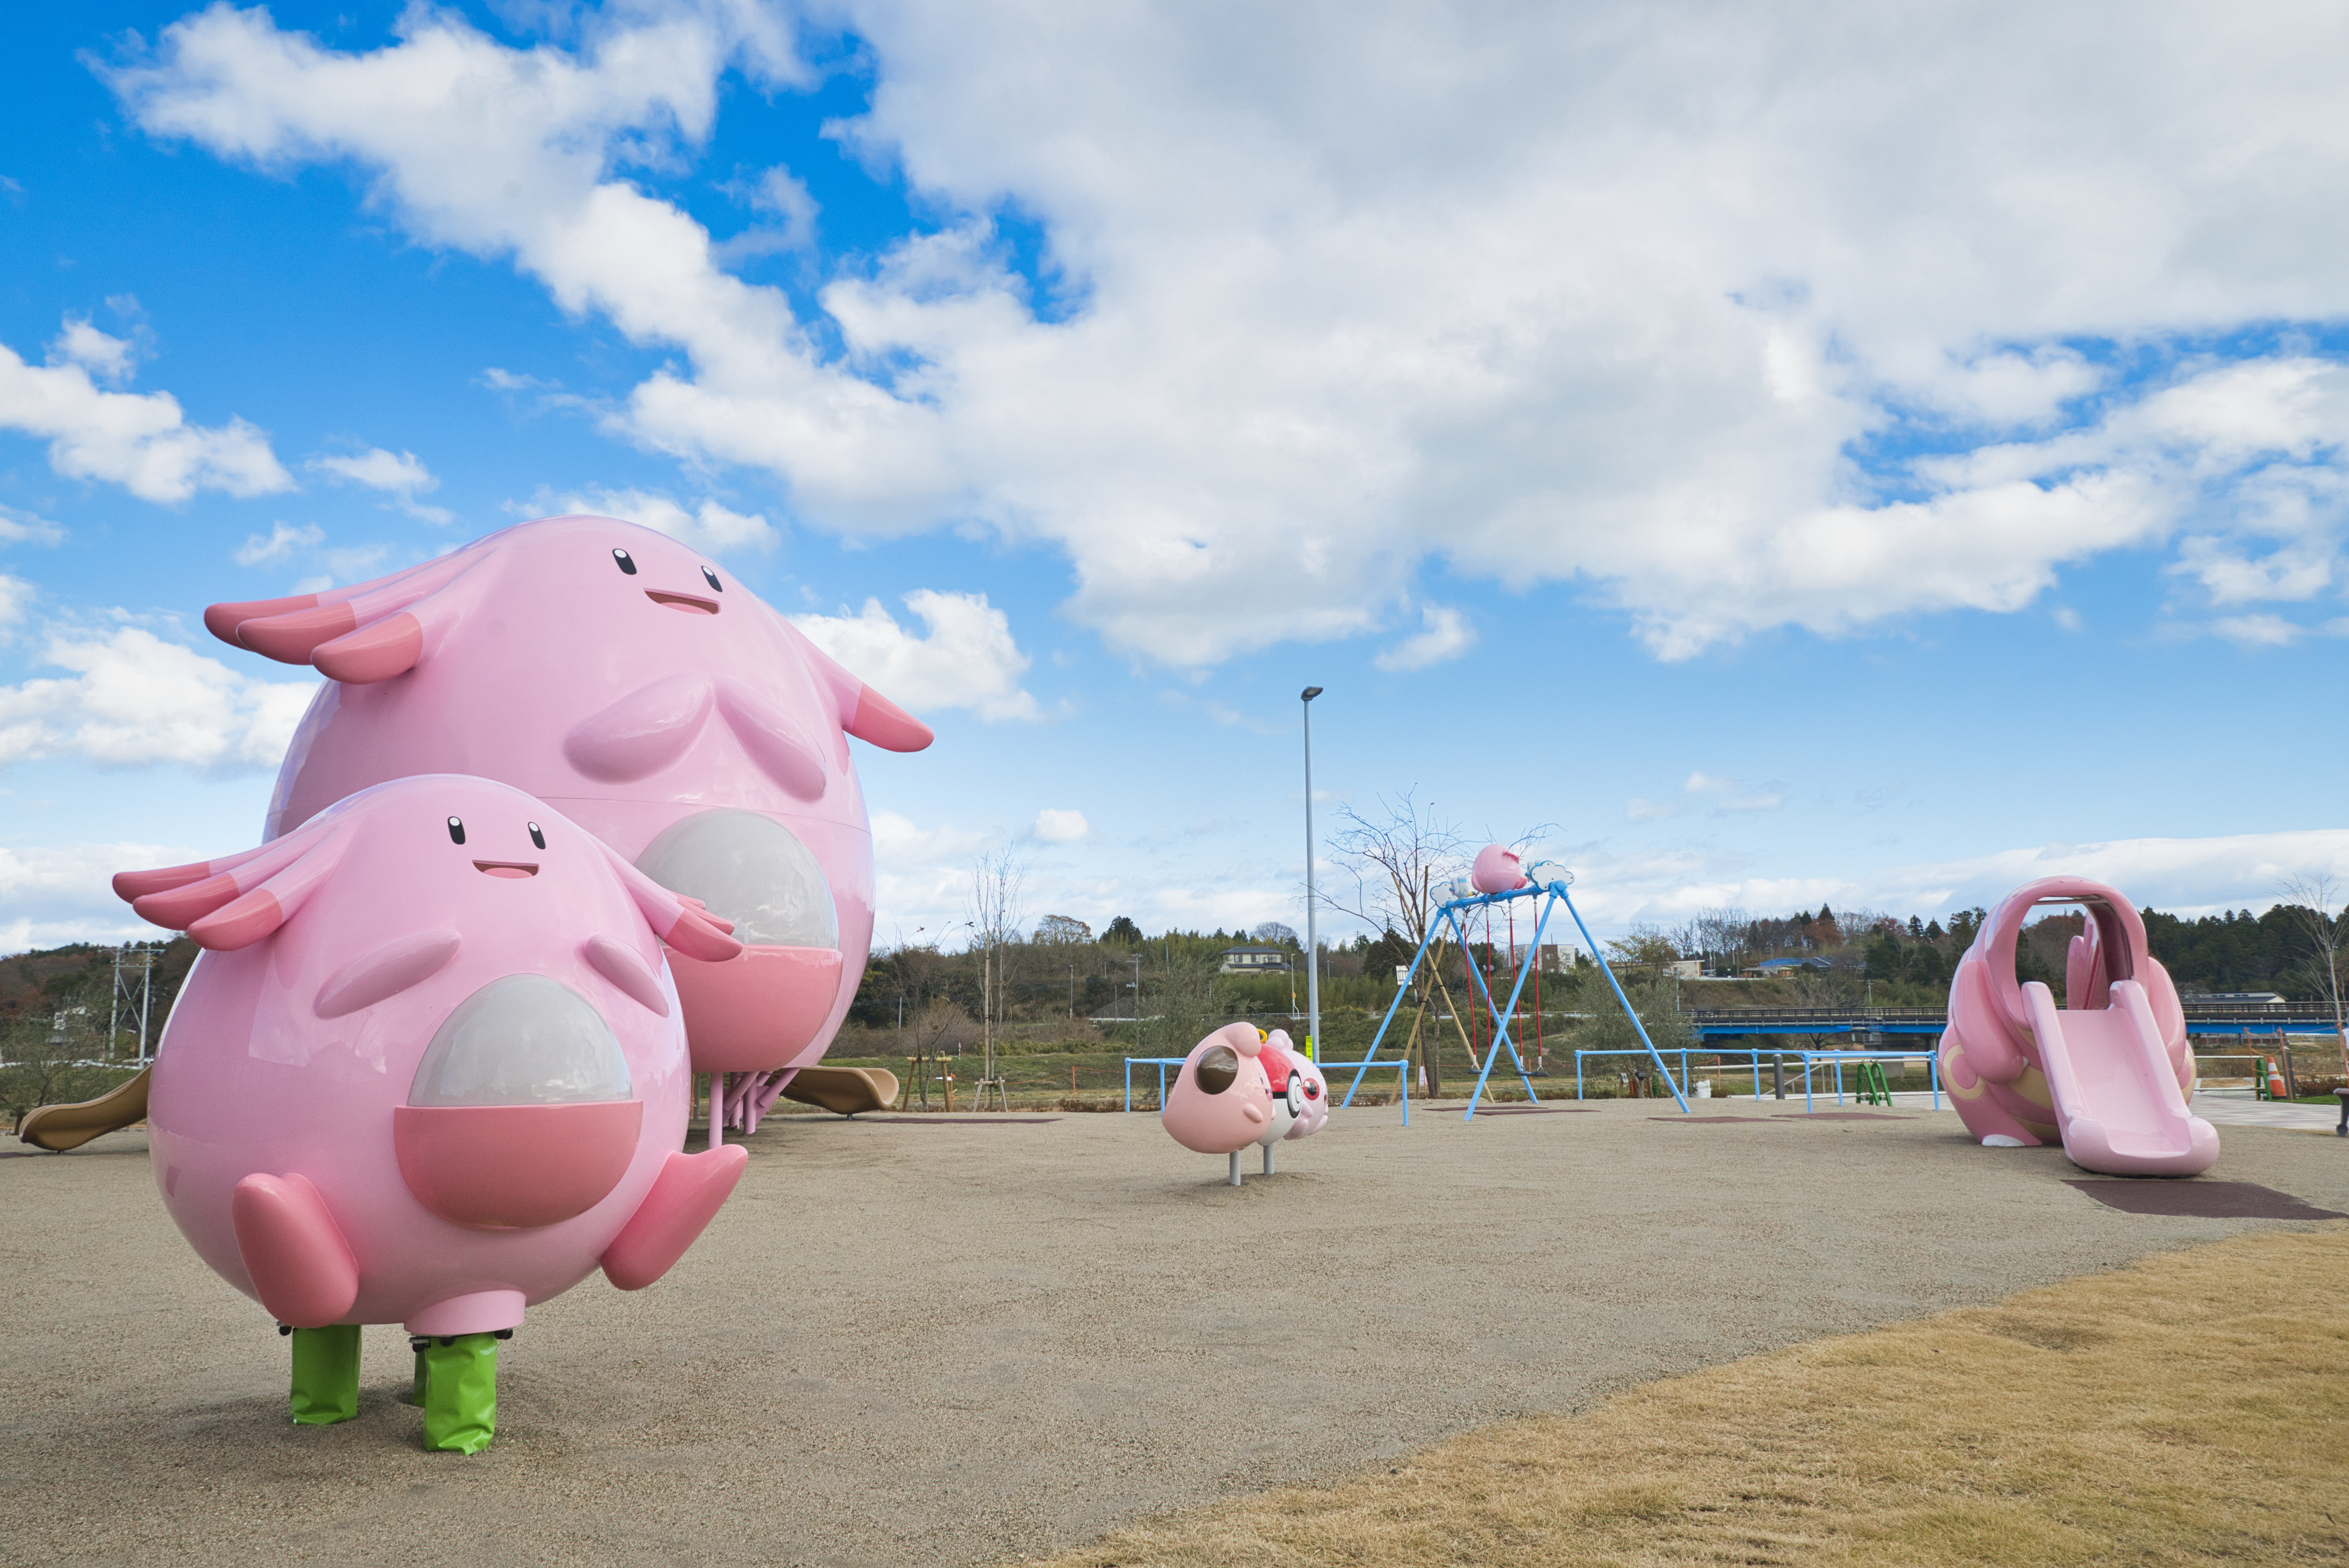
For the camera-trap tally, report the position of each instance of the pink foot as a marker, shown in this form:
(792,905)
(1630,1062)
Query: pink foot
(684,1197)
(300,1263)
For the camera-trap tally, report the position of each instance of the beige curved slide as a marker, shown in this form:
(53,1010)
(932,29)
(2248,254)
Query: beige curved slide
(843,1090)
(70,1127)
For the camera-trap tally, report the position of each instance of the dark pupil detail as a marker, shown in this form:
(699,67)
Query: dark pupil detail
(628,562)
(456,830)
(1219,1069)
(536,837)
(711,579)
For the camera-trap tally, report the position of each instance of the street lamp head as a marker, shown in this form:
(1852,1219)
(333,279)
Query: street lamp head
(1311,692)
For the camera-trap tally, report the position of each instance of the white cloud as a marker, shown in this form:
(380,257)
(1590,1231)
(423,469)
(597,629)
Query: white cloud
(965,657)
(2190,876)
(15,597)
(1447,635)
(287,544)
(133,699)
(26,529)
(2258,630)
(109,359)
(1408,283)
(780,194)
(140,441)
(63,893)
(1054,826)
(284,541)
(1730,798)
(398,474)
(708,526)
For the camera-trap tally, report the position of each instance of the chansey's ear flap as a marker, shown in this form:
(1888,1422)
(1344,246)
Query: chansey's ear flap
(258,892)
(863,712)
(367,632)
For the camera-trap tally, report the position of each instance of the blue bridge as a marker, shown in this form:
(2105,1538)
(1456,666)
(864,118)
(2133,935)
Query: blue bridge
(1881,1026)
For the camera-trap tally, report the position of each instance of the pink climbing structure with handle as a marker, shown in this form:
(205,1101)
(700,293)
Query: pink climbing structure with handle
(2108,1074)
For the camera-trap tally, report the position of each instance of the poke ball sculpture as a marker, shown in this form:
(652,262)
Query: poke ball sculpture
(1299,1093)
(1224,1097)
(619,677)
(430,1070)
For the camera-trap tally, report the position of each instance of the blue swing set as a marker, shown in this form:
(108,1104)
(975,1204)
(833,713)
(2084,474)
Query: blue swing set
(1451,916)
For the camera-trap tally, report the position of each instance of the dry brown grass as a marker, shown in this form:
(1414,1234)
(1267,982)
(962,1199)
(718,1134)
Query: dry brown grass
(2192,1408)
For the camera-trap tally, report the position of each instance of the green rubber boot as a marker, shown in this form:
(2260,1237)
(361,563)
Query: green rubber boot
(461,1393)
(325,1375)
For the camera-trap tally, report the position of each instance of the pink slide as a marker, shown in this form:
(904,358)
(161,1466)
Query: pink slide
(2110,1073)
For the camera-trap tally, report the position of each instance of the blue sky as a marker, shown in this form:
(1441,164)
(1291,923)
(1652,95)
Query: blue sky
(1834,459)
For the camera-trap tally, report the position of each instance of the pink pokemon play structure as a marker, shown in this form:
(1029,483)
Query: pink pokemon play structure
(1240,1086)
(1498,870)
(2108,1073)
(625,681)
(430,1070)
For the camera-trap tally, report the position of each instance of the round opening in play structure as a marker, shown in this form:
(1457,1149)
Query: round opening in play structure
(1219,1069)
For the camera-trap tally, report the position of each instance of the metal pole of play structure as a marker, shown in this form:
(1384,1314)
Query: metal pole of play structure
(1312,938)
(1502,1017)
(1629,1011)
(1448,918)
(1402,988)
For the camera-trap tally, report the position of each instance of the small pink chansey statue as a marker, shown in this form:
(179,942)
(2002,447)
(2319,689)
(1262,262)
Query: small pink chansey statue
(430,1070)
(2109,1073)
(625,681)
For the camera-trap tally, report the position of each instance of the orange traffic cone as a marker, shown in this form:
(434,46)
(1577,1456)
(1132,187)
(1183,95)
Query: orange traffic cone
(2275,1080)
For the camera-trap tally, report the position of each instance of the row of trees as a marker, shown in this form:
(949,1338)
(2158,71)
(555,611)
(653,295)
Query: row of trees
(57,1009)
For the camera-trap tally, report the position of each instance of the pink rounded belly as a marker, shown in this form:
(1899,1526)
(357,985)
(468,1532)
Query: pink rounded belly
(515,1167)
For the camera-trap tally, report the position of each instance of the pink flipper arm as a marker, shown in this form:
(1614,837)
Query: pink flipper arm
(239,906)
(686,1196)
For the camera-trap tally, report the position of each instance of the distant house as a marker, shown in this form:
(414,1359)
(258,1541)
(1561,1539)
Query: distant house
(1256,960)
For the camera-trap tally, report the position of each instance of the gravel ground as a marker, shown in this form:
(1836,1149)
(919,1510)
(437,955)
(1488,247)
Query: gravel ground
(956,1342)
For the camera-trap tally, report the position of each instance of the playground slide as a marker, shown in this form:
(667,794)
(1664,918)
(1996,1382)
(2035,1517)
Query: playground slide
(843,1090)
(70,1127)
(2117,1102)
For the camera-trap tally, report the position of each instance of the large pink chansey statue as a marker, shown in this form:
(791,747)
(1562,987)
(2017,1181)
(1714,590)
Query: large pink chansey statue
(430,1070)
(2109,1073)
(624,680)
(1240,1086)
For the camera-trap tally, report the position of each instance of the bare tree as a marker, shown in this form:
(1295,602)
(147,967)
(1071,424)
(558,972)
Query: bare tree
(996,914)
(2309,900)
(1724,933)
(1400,862)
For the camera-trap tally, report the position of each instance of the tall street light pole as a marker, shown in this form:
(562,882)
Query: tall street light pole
(1312,940)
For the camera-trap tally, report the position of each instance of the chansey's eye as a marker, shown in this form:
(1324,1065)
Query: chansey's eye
(628,562)
(456,830)
(536,837)
(711,579)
